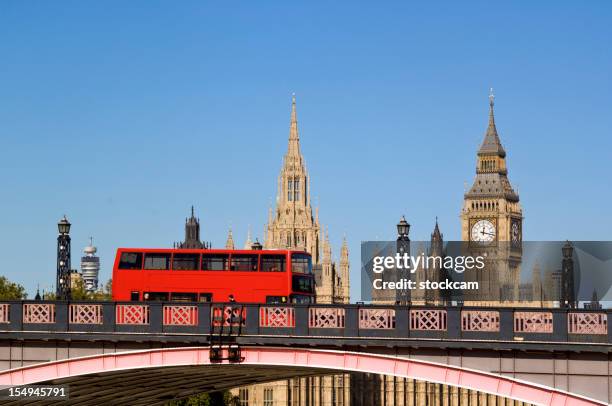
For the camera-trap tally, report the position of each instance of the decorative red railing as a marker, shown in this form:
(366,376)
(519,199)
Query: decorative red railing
(322,317)
(480,320)
(132,314)
(587,323)
(85,314)
(180,315)
(4,312)
(533,322)
(428,320)
(43,313)
(377,319)
(276,317)
(228,315)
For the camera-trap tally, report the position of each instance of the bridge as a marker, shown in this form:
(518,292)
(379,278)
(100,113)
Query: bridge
(147,353)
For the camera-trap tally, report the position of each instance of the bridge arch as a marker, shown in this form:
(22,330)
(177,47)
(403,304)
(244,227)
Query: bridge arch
(260,362)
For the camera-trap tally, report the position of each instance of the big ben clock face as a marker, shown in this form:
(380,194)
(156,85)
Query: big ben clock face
(483,231)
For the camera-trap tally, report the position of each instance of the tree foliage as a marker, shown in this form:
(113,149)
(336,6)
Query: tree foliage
(10,290)
(78,291)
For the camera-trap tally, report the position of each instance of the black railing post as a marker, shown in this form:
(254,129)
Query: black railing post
(560,327)
(108,316)
(506,324)
(156,317)
(16,316)
(453,322)
(204,318)
(252,319)
(301,320)
(351,321)
(402,321)
(61,316)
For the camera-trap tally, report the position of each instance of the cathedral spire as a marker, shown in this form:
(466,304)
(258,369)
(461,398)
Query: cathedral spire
(294,136)
(491,145)
(229,244)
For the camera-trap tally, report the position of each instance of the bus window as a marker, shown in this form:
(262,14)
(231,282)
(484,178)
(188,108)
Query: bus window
(130,260)
(273,263)
(215,262)
(155,296)
(184,297)
(244,262)
(157,261)
(301,263)
(303,284)
(276,299)
(134,296)
(186,262)
(302,299)
(205,297)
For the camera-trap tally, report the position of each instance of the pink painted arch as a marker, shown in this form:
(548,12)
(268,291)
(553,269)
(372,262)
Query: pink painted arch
(302,358)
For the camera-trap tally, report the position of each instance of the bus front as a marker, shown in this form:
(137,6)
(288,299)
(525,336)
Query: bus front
(302,278)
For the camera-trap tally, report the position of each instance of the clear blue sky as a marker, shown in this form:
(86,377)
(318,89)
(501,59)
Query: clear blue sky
(124,114)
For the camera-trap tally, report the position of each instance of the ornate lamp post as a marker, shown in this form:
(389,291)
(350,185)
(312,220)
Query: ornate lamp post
(63,260)
(568,297)
(403,246)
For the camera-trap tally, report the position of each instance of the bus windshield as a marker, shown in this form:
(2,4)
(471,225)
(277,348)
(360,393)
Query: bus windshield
(301,263)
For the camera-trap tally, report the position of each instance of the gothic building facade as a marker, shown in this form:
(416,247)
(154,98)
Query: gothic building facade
(293,224)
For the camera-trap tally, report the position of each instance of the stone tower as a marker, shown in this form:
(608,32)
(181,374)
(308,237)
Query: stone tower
(492,219)
(229,243)
(293,224)
(192,233)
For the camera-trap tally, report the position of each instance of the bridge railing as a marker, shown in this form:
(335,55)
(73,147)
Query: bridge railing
(320,320)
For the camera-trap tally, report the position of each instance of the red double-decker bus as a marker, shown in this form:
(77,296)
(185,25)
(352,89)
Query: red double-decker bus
(249,276)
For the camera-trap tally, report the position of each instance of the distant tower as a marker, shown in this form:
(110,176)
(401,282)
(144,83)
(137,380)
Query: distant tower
(63,260)
(90,267)
(192,233)
(436,271)
(229,244)
(248,243)
(343,288)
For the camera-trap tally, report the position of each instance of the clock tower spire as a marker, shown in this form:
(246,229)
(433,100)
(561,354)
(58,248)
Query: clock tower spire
(492,215)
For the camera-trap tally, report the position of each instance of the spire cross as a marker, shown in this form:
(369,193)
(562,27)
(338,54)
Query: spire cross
(491,97)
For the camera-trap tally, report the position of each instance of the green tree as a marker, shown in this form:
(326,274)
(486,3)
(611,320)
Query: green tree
(10,290)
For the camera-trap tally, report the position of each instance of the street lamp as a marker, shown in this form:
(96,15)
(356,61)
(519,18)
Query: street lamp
(64,226)
(402,247)
(403,228)
(63,260)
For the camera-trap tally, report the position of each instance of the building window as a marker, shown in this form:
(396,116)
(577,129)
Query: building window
(268,399)
(296,190)
(290,189)
(243,397)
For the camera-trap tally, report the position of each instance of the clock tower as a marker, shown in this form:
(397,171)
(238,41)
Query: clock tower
(491,220)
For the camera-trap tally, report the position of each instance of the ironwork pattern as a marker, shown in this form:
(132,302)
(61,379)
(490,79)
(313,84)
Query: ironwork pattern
(85,314)
(4,312)
(132,314)
(587,323)
(480,320)
(428,320)
(39,313)
(276,317)
(320,317)
(228,315)
(533,322)
(180,315)
(376,318)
